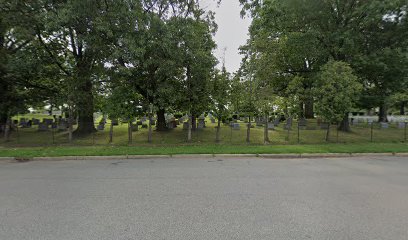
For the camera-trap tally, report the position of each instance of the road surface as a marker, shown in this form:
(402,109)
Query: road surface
(243,198)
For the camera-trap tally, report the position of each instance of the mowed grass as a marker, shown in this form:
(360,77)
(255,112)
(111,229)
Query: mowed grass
(55,151)
(31,142)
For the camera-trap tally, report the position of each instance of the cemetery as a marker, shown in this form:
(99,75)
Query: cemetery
(45,132)
(131,80)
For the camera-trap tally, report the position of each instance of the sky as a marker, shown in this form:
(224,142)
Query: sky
(232,31)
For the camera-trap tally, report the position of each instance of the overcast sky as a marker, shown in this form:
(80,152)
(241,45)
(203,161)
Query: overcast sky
(232,31)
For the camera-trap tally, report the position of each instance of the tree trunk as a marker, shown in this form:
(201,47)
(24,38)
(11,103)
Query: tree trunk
(130,137)
(161,120)
(190,121)
(248,140)
(301,110)
(309,109)
(150,133)
(85,106)
(402,108)
(345,124)
(193,123)
(266,132)
(328,132)
(111,133)
(217,133)
(382,115)
(70,127)
(7,130)
(3,122)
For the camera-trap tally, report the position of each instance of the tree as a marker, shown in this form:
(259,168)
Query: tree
(75,34)
(220,95)
(123,103)
(25,73)
(345,31)
(159,48)
(336,91)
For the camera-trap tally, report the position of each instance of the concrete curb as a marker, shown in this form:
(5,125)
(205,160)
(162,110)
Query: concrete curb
(325,155)
(7,159)
(184,156)
(279,156)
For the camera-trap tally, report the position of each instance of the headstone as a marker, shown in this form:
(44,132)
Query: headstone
(185,126)
(54,125)
(62,125)
(288,124)
(271,126)
(48,121)
(201,123)
(384,125)
(24,123)
(115,122)
(302,122)
(324,126)
(101,127)
(401,125)
(235,126)
(276,122)
(43,127)
(135,127)
(36,121)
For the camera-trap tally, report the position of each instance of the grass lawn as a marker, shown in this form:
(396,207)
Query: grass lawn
(54,151)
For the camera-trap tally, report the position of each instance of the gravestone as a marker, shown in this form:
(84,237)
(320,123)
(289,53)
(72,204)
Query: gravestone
(288,124)
(54,125)
(115,122)
(24,123)
(276,122)
(48,121)
(201,123)
(384,125)
(100,127)
(303,122)
(135,127)
(35,121)
(185,126)
(324,126)
(271,126)
(42,127)
(62,125)
(235,126)
(401,125)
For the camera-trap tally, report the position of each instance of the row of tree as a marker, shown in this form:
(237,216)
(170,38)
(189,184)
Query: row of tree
(326,56)
(128,58)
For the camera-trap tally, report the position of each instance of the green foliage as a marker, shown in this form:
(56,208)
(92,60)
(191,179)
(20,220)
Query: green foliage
(336,91)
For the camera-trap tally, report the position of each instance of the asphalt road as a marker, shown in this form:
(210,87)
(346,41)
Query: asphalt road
(354,198)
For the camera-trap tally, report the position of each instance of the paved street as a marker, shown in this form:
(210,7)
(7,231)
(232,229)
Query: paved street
(351,198)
